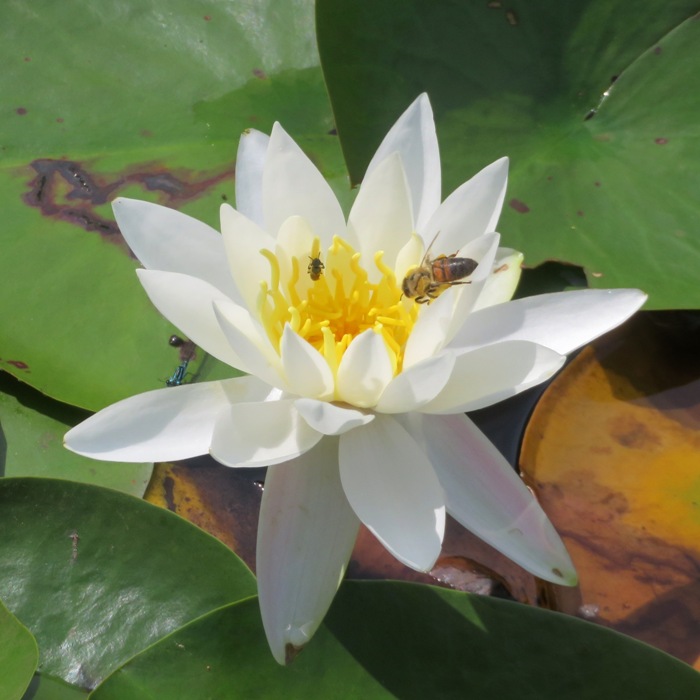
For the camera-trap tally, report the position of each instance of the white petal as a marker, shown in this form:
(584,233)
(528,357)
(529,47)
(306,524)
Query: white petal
(250,161)
(381,217)
(164,239)
(393,489)
(487,375)
(330,419)
(563,321)
(364,370)
(247,339)
(430,330)
(306,370)
(503,281)
(472,209)
(409,256)
(166,424)
(483,249)
(413,137)
(259,434)
(486,496)
(417,385)
(292,185)
(187,303)
(306,534)
(440,320)
(295,240)
(243,240)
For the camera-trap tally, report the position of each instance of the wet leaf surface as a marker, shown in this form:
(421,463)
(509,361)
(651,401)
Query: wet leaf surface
(613,453)
(97,575)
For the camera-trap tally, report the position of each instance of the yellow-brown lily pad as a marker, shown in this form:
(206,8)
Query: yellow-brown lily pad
(613,453)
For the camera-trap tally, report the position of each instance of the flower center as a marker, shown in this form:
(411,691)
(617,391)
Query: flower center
(329,301)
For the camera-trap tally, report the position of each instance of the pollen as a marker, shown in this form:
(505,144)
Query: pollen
(331,309)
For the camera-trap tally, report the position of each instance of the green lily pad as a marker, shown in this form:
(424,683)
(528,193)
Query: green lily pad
(19,656)
(45,688)
(134,99)
(597,104)
(97,576)
(392,640)
(32,428)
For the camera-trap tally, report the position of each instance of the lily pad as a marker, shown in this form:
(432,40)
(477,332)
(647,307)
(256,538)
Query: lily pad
(45,688)
(597,104)
(135,99)
(97,576)
(32,428)
(19,656)
(389,640)
(612,453)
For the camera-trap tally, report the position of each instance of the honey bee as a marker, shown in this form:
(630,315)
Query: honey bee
(315,268)
(427,281)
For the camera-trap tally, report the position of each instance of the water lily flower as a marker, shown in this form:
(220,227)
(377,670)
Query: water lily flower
(355,394)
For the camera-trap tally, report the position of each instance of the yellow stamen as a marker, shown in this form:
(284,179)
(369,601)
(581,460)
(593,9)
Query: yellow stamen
(272,259)
(332,311)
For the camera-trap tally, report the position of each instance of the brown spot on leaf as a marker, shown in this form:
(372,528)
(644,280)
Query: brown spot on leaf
(519,206)
(168,490)
(633,434)
(579,213)
(657,50)
(21,111)
(259,73)
(70,191)
(661,141)
(18,364)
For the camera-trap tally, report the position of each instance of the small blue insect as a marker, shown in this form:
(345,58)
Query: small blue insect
(178,376)
(187,348)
